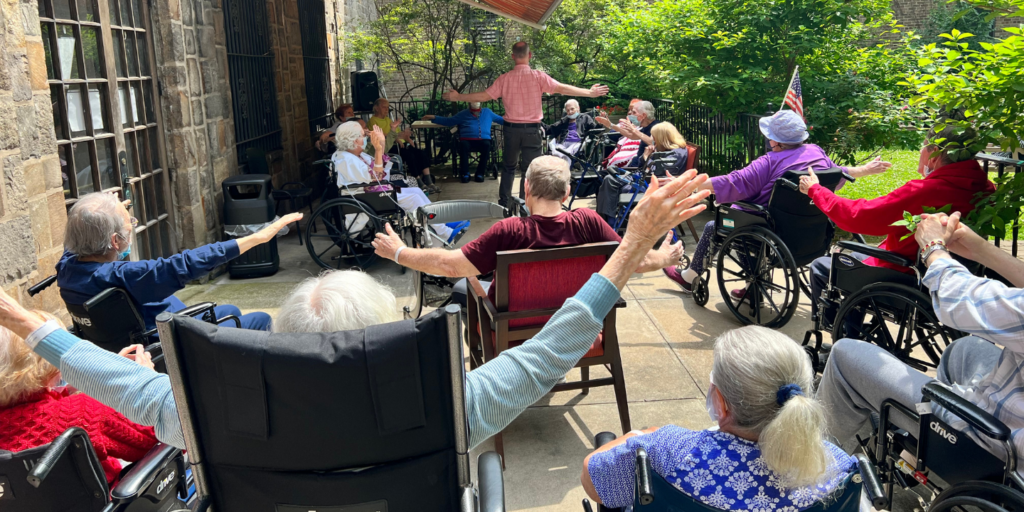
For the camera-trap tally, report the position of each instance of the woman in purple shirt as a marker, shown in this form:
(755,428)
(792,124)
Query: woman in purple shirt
(786,133)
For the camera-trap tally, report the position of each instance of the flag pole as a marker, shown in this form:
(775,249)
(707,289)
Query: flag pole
(788,87)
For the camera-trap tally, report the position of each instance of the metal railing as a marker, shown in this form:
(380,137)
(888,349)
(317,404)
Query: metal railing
(1002,164)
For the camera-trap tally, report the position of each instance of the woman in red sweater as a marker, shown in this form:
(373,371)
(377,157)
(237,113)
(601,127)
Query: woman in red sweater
(33,411)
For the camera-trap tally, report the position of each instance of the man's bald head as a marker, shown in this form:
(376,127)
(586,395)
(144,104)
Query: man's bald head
(521,51)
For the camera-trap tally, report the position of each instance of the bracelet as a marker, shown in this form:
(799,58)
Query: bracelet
(933,243)
(931,247)
(397,252)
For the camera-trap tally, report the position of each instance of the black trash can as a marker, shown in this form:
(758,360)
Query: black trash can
(248,200)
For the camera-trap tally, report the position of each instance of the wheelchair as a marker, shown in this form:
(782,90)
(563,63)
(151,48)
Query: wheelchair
(765,250)
(393,436)
(586,164)
(111,321)
(958,472)
(652,493)
(889,308)
(66,476)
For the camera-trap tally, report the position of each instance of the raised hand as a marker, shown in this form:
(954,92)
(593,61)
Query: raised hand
(598,90)
(451,95)
(603,120)
(664,207)
(806,182)
(377,138)
(876,166)
(385,245)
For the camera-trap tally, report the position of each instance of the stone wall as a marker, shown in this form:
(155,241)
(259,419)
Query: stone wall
(32,213)
(290,78)
(192,67)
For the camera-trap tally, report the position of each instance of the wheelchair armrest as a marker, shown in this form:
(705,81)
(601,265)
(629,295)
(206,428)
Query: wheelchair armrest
(872,485)
(53,454)
(196,309)
(144,472)
(603,438)
(492,484)
(750,206)
(41,285)
(875,252)
(978,418)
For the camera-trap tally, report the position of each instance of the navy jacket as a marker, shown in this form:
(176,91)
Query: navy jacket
(150,283)
(470,126)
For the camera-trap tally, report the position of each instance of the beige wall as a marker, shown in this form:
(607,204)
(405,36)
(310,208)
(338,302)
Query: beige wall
(32,214)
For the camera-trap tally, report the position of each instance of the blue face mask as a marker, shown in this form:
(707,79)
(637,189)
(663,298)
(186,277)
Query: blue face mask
(127,251)
(633,120)
(574,116)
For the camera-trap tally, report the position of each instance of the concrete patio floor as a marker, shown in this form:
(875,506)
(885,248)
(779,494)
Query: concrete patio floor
(666,352)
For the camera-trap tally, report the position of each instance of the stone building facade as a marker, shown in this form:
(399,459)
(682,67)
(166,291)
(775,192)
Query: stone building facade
(70,69)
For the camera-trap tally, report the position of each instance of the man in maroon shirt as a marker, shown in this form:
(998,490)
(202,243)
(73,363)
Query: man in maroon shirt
(547,187)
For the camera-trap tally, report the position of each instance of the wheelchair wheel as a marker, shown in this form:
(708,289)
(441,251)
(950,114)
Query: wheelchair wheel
(700,291)
(897,318)
(965,504)
(756,260)
(348,228)
(805,280)
(1002,496)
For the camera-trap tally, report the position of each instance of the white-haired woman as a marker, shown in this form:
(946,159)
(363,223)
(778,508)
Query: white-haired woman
(769,451)
(568,132)
(342,300)
(354,166)
(34,410)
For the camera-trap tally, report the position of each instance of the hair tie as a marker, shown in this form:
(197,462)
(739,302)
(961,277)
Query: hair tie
(786,392)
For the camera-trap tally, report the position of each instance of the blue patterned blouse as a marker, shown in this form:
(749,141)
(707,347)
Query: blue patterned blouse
(717,468)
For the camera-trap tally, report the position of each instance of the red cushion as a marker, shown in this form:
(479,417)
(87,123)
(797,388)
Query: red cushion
(546,284)
(597,349)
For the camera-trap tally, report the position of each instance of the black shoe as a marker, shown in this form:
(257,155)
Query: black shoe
(465,179)
(478,178)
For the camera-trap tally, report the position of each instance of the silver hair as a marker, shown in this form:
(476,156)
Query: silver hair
(341,300)
(548,177)
(349,136)
(573,103)
(751,366)
(91,221)
(647,108)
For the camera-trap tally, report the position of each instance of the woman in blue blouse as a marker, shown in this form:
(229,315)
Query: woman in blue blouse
(769,451)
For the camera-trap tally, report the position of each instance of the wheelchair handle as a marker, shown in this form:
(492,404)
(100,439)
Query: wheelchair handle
(53,454)
(847,177)
(41,285)
(872,485)
(788,184)
(566,153)
(643,477)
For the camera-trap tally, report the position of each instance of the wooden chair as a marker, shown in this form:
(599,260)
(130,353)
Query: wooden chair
(530,285)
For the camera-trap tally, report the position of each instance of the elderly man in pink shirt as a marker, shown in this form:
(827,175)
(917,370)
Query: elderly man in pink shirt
(520,91)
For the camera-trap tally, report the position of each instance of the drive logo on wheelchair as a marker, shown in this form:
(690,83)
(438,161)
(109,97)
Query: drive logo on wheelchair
(5,493)
(82,321)
(941,431)
(167,480)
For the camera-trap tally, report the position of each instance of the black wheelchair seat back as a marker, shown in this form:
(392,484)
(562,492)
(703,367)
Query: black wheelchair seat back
(76,482)
(110,320)
(382,202)
(805,230)
(354,420)
(953,456)
(851,275)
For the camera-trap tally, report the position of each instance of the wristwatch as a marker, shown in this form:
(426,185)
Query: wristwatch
(930,247)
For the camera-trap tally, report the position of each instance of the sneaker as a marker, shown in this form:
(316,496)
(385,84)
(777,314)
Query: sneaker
(458,229)
(478,178)
(465,179)
(738,293)
(674,275)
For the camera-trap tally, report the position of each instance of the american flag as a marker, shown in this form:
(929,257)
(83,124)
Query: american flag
(794,96)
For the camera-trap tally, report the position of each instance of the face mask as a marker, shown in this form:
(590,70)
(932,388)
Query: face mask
(574,116)
(927,170)
(710,403)
(127,251)
(475,110)
(633,119)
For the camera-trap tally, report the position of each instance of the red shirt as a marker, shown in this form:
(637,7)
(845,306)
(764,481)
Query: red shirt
(41,417)
(520,91)
(582,226)
(953,184)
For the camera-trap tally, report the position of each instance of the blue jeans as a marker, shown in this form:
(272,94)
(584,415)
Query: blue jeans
(258,321)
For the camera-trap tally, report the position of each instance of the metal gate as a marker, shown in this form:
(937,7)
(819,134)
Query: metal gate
(251,65)
(317,65)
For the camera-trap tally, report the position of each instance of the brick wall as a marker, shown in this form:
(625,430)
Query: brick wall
(32,214)
(192,68)
(290,78)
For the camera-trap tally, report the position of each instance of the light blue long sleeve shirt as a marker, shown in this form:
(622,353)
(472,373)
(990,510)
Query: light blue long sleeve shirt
(496,393)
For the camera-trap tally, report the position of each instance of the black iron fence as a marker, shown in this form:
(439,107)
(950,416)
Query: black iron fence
(251,68)
(1002,165)
(316,64)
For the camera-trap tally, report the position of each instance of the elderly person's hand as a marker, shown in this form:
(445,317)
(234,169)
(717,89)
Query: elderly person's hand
(19,320)
(664,207)
(965,242)
(806,182)
(428,117)
(397,122)
(627,128)
(598,90)
(377,139)
(386,245)
(671,252)
(602,119)
(451,95)
(876,166)
(648,151)
(138,354)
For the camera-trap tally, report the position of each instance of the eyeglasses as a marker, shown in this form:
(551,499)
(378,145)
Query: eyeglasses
(134,221)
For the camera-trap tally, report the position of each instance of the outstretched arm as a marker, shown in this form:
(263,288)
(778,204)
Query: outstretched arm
(454,95)
(595,91)
(439,262)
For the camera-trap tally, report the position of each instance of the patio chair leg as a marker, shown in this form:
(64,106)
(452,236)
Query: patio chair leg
(499,447)
(298,227)
(620,396)
(693,231)
(585,376)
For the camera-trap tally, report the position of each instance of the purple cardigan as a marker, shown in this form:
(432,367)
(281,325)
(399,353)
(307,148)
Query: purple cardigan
(754,182)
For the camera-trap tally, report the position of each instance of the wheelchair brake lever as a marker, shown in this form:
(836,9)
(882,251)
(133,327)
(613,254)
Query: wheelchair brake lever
(789,184)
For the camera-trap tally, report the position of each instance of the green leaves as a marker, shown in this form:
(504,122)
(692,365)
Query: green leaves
(911,221)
